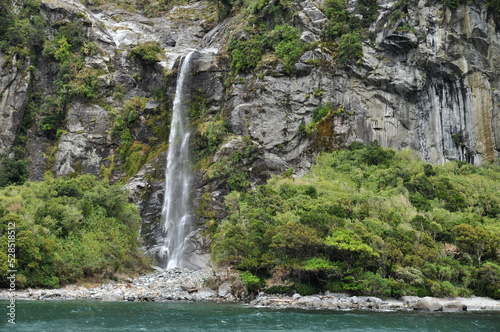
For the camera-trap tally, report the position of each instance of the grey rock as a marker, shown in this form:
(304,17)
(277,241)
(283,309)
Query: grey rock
(410,301)
(112,297)
(14,83)
(225,289)
(428,304)
(85,144)
(375,300)
(157,268)
(454,306)
(308,37)
(205,292)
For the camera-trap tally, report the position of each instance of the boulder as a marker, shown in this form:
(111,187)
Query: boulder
(225,289)
(428,304)
(454,306)
(206,293)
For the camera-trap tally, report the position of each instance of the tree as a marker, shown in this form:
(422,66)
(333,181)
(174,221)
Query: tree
(348,247)
(12,172)
(476,241)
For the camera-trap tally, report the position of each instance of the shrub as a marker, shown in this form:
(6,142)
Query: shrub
(452,4)
(340,228)
(375,285)
(350,47)
(307,289)
(251,282)
(278,289)
(70,229)
(12,172)
(148,53)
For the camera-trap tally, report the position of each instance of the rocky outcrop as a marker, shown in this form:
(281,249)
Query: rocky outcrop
(435,94)
(14,82)
(85,145)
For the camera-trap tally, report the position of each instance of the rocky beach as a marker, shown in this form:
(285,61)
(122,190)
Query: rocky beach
(208,285)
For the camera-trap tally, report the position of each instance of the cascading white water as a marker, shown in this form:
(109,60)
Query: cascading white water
(175,211)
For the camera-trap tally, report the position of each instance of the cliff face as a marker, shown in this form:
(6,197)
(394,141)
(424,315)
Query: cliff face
(432,88)
(435,94)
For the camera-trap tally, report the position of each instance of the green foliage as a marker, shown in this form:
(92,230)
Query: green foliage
(68,49)
(148,53)
(278,289)
(348,30)
(350,47)
(306,289)
(290,48)
(452,4)
(251,282)
(69,230)
(353,225)
(375,285)
(21,31)
(283,40)
(12,171)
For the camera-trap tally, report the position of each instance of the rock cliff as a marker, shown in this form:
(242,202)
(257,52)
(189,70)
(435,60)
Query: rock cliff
(428,81)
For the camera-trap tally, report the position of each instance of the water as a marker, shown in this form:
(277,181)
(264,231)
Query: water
(133,316)
(175,210)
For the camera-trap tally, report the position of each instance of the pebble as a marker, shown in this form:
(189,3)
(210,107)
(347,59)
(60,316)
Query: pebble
(188,285)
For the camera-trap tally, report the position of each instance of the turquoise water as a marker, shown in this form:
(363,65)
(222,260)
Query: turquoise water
(132,316)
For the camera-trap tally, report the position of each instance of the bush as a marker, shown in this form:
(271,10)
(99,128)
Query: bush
(69,229)
(375,285)
(251,282)
(12,172)
(278,289)
(307,289)
(350,47)
(148,53)
(350,225)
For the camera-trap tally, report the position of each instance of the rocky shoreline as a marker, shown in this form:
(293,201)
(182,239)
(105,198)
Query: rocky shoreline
(208,285)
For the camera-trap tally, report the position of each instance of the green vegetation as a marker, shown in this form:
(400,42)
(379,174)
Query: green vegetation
(282,40)
(268,32)
(347,29)
(148,53)
(211,130)
(321,113)
(12,171)
(452,4)
(369,220)
(21,30)
(68,49)
(69,230)
(233,167)
(134,154)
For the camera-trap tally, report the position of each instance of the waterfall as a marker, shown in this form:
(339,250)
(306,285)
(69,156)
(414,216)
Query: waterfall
(175,211)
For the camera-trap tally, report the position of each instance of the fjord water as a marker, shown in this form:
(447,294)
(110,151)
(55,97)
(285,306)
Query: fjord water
(133,316)
(175,210)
